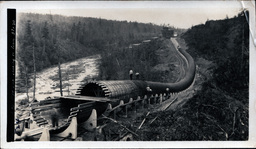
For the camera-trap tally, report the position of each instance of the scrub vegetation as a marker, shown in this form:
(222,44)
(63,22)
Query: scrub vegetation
(219,111)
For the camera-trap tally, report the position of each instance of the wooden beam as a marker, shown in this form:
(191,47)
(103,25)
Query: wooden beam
(87,98)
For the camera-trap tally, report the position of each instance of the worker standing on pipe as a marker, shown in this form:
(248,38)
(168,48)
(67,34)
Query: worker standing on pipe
(167,92)
(131,73)
(148,91)
(137,76)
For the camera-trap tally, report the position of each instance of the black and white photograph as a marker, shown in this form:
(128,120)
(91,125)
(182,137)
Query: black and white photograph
(151,73)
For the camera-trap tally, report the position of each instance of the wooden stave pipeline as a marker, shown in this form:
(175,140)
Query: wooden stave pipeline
(114,89)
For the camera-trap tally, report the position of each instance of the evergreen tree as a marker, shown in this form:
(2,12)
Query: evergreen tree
(45,33)
(25,58)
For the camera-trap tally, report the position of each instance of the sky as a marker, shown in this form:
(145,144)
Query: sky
(181,14)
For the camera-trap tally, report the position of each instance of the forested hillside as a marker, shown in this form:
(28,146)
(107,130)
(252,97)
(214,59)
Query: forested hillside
(48,39)
(226,43)
(141,58)
(220,109)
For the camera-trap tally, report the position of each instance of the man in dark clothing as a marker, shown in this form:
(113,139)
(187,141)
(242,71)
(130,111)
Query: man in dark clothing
(167,93)
(131,73)
(54,117)
(148,91)
(137,76)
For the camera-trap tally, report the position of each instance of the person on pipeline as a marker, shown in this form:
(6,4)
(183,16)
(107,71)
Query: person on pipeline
(167,93)
(137,75)
(131,73)
(149,91)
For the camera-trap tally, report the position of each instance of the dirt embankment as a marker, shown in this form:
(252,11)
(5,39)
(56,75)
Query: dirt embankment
(203,73)
(170,63)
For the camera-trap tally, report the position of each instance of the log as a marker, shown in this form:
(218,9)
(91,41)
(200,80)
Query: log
(120,124)
(143,121)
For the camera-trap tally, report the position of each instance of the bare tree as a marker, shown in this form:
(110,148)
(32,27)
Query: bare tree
(34,79)
(61,94)
(60,77)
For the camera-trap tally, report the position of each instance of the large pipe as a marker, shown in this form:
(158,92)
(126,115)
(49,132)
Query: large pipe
(158,87)
(125,89)
(121,90)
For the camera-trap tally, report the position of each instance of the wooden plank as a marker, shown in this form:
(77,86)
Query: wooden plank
(33,104)
(69,119)
(74,112)
(42,123)
(72,115)
(74,109)
(41,120)
(87,98)
(38,118)
(45,109)
(24,118)
(80,108)
(48,105)
(55,98)
(86,104)
(106,91)
(49,101)
(34,131)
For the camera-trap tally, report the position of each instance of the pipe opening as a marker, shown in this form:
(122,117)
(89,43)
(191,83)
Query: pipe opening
(93,89)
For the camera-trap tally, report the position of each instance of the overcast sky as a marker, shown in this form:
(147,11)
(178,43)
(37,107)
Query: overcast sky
(182,14)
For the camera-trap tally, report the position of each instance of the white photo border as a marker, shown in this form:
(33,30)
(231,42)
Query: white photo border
(249,5)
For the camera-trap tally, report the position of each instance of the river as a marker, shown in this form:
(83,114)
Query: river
(73,74)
